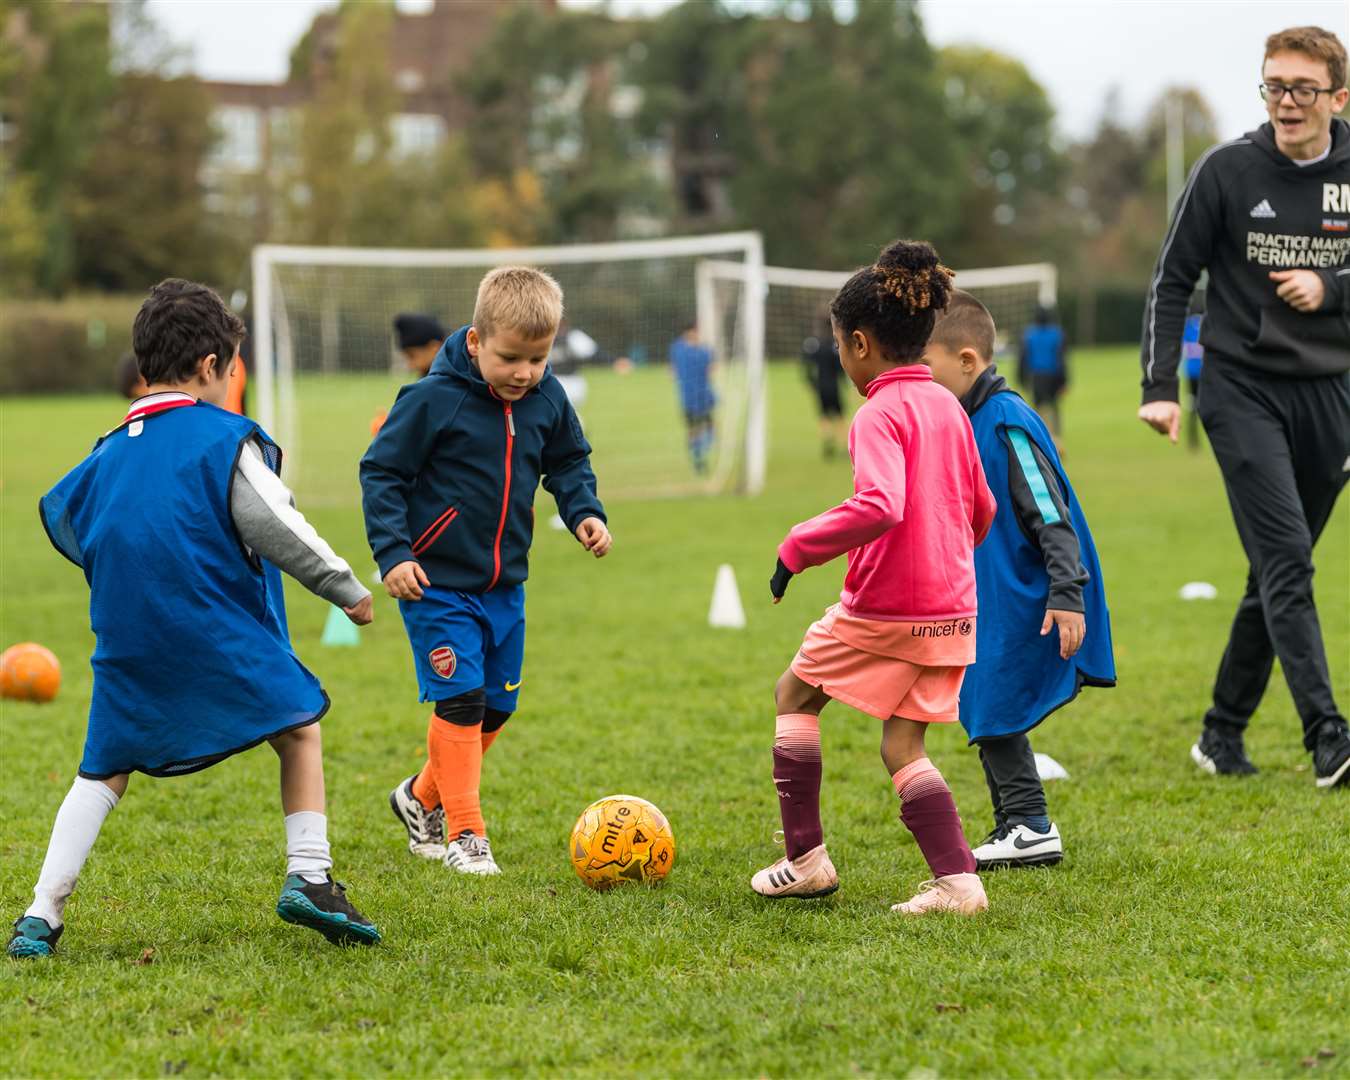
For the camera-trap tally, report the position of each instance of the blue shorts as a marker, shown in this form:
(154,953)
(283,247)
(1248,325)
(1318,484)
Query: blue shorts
(466,641)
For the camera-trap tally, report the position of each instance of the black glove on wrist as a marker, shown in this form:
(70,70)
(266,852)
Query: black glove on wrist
(779,582)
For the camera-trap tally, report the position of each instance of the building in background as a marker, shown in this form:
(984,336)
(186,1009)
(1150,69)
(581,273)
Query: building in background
(258,122)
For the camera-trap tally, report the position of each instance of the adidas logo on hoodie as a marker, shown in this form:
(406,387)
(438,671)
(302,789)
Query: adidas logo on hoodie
(1263,209)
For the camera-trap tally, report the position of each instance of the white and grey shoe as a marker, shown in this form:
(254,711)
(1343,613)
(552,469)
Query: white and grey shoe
(1019,845)
(470,853)
(426,828)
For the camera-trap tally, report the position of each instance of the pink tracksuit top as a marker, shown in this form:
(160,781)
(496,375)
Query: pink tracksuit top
(920,505)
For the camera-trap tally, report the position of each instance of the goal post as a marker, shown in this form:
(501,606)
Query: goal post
(796,297)
(321,335)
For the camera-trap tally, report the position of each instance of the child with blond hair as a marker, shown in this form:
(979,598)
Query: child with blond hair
(448,491)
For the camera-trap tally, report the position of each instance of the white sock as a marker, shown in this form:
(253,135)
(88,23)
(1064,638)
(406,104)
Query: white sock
(307,846)
(76,828)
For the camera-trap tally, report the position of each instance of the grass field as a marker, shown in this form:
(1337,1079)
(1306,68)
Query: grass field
(1197,927)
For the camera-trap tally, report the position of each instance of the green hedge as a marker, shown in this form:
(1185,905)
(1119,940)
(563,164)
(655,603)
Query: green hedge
(1104,315)
(54,346)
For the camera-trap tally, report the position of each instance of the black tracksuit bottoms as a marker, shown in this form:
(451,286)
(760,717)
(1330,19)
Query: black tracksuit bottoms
(1014,782)
(1283,445)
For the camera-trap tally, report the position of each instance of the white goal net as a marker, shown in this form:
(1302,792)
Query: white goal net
(797,301)
(325,368)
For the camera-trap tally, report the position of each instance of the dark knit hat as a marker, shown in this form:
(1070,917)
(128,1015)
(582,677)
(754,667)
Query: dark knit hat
(413,328)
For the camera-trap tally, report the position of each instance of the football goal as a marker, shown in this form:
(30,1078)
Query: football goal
(797,301)
(325,367)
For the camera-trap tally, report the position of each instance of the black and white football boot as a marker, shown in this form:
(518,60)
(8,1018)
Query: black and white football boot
(1019,845)
(426,828)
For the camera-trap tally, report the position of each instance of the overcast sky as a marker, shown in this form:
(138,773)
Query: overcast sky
(1077,49)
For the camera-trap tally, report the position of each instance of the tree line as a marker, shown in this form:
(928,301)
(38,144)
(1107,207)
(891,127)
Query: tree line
(831,135)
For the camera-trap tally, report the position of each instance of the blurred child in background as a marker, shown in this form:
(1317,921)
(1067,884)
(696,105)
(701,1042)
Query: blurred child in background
(1043,367)
(691,362)
(820,362)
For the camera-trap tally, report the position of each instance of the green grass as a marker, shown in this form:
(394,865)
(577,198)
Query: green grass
(1197,927)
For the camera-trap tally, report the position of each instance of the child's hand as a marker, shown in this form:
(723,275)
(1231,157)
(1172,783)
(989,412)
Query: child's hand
(594,536)
(1072,630)
(779,582)
(361,612)
(406,581)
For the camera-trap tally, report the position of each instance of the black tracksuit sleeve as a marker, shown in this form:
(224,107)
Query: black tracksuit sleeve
(1043,513)
(1186,251)
(1336,289)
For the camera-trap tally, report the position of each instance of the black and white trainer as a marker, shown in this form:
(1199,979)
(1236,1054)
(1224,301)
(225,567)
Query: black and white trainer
(1221,753)
(1331,755)
(1019,845)
(426,828)
(470,853)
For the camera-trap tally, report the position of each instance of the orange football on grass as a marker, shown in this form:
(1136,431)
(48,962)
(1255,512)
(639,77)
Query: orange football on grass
(29,672)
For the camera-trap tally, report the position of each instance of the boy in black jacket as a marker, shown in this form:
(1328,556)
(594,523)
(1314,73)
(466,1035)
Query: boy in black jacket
(448,492)
(1269,216)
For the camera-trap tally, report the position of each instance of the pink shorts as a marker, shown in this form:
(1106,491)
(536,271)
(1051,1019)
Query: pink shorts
(880,686)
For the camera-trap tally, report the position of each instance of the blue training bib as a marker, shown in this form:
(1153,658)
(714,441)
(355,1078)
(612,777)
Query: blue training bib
(193,660)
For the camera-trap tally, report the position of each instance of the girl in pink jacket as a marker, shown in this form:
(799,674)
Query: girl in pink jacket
(897,644)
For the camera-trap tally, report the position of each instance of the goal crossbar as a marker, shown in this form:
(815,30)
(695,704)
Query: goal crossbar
(1044,275)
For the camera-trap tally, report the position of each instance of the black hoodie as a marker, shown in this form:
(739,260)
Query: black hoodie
(1247,210)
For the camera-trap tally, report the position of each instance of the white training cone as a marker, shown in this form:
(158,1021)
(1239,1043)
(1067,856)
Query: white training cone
(1198,590)
(726,609)
(1047,768)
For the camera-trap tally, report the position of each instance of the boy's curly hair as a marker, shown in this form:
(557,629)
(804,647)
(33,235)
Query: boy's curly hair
(896,299)
(179,323)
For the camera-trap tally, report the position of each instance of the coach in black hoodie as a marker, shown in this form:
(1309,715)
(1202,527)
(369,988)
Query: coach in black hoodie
(1269,216)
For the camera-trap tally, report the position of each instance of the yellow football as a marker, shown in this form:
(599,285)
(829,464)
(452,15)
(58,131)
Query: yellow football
(621,838)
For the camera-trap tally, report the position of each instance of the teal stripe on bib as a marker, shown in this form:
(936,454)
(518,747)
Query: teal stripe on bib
(1022,447)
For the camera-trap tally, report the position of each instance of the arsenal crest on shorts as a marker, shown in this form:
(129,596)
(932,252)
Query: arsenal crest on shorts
(442,661)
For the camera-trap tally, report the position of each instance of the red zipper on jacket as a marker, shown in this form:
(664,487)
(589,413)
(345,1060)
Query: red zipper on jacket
(506,497)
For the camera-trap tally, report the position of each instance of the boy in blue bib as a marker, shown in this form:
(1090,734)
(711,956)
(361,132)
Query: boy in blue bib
(1045,631)
(180,522)
(448,491)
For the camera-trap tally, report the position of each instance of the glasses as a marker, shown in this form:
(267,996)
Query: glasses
(1302,95)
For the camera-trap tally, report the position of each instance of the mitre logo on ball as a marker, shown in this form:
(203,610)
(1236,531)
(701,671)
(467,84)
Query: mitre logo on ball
(442,661)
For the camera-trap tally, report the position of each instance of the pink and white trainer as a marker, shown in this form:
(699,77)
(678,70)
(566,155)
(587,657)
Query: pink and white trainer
(961,893)
(802,878)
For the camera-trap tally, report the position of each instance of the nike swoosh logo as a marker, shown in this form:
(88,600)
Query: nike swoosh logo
(511,687)
(1017,842)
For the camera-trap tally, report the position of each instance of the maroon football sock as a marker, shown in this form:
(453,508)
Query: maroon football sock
(929,812)
(796,775)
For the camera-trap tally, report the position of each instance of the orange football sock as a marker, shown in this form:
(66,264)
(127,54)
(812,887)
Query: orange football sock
(424,783)
(490,737)
(456,752)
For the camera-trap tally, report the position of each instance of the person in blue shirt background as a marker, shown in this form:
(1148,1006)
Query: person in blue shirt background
(1043,367)
(691,362)
(1192,360)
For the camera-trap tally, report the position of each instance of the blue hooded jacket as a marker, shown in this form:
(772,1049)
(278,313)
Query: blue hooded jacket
(450,479)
